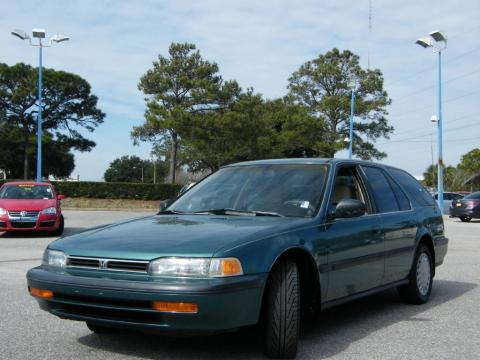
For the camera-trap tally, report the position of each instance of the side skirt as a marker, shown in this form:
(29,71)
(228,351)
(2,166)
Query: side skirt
(362,294)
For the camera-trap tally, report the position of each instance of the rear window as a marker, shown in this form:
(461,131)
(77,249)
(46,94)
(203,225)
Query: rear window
(475,195)
(417,193)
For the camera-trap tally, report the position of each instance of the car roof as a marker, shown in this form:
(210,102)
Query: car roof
(27,183)
(288,161)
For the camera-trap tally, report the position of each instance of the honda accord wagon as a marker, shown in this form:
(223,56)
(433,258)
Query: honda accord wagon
(262,242)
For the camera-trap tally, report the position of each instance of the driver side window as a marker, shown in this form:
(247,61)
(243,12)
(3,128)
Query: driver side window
(348,186)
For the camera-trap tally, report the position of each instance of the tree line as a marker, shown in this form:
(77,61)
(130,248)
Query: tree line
(455,177)
(195,118)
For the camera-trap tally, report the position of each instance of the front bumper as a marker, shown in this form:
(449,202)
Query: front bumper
(40,223)
(224,303)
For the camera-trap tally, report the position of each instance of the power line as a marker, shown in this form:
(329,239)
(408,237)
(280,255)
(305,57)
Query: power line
(446,123)
(444,102)
(422,135)
(430,68)
(435,85)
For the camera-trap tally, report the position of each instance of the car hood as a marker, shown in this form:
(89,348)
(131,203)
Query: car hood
(151,237)
(27,204)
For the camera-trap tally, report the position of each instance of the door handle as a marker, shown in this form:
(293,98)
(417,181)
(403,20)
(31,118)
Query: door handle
(377,231)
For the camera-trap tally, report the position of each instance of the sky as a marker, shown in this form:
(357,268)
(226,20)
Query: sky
(260,44)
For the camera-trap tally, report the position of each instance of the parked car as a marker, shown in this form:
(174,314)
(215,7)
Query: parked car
(467,208)
(448,197)
(255,242)
(30,206)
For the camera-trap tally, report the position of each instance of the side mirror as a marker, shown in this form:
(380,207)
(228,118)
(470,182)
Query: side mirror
(349,208)
(60,197)
(165,204)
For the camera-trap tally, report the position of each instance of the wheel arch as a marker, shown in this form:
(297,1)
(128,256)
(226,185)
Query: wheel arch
(310,291)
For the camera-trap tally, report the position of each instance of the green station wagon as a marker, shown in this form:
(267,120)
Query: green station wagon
(262,242)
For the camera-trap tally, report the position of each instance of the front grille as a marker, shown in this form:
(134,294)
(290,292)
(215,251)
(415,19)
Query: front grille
(108,264)
(25,213)
(128,265)
(24,225)
(83,262)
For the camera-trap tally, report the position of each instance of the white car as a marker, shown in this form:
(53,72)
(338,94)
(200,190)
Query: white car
(448,197)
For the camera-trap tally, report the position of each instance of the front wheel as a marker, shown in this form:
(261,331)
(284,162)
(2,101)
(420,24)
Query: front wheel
(282,318)
(420,280)
(60,228)
(465,218)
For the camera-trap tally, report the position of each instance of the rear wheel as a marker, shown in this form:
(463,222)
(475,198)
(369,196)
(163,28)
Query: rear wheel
(419,287)
(465,218)
(282,317)
(99,329)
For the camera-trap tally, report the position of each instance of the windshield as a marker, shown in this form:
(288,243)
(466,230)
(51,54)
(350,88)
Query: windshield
(287,190)
(475,195)
(26,192)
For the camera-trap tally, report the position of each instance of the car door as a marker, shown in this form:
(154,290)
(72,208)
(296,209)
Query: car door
(355,246)
(399,223)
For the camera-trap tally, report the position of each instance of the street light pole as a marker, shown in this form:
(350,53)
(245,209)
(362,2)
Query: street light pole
(440,134)
(39,118)
(438,45)
(350,136)
(352,84)
(39,34)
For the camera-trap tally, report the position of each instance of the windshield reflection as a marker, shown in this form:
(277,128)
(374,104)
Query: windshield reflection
(292,190)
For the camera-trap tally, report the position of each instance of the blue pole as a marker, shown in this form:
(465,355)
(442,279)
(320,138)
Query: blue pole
(350,137)
(39,119)
(440,137)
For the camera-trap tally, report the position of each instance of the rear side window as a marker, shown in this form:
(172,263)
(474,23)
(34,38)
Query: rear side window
(403,202)
(417,193)
(382,191)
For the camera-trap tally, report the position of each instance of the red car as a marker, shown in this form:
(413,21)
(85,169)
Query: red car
(30,206)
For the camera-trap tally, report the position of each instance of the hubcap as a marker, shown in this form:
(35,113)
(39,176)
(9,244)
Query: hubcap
(423,274)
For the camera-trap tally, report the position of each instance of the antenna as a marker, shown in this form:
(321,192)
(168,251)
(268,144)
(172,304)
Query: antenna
(370,10)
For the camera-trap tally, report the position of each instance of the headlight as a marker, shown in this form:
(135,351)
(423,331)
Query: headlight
(195,267)
(49,211)
(3,212)
(54,258)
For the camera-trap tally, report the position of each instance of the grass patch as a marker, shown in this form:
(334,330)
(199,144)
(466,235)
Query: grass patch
(109,204)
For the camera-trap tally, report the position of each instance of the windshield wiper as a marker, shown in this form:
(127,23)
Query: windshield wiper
(228,211)
(168,212)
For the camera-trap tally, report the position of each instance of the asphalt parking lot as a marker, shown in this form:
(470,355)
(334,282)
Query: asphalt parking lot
(378,327)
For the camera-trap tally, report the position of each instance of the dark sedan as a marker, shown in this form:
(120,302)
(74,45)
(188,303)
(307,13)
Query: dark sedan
(259,242)
(467,208)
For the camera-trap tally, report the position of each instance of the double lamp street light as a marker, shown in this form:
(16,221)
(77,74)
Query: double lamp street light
(438,42)
(40,35)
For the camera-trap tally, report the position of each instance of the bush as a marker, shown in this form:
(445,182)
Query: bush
(105,190)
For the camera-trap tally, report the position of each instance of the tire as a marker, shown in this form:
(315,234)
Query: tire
(98,329)
(465,218)
(420,280)
(61,227)
(282,317)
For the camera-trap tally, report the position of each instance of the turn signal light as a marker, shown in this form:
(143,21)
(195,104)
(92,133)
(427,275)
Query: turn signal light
(46,294)
(231,267)
(175,307)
